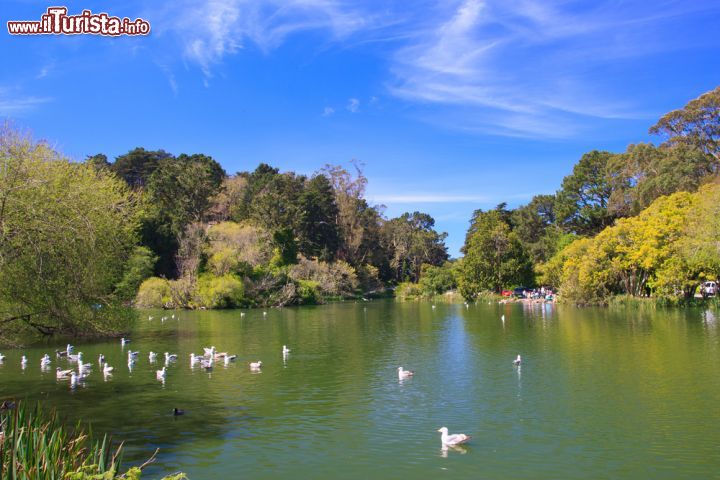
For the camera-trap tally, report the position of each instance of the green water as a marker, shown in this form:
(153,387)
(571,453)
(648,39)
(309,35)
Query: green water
(600,394)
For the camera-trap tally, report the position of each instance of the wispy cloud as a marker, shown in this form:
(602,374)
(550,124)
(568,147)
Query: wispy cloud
(528,68)
(413,198)
(328,111)
(211,30)
(13,102)
(353,105)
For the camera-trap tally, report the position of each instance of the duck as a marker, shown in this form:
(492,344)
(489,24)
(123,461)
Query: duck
(107,369)
(454,439)
(152,356)
(518,360)
(160,374)
(404,373)
(255,365)
(62,373)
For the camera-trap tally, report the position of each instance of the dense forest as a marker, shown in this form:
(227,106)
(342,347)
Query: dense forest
(83,240)
(80,242)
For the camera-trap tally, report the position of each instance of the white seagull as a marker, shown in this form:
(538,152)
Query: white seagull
(152,356)
(286,350)
(107,369)
(160,374)
(404,373)
(255,365)
(454,439)
(518,360)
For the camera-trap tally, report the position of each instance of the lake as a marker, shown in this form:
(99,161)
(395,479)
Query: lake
(601,393)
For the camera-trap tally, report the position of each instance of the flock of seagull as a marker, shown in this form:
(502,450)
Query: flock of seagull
(205,361)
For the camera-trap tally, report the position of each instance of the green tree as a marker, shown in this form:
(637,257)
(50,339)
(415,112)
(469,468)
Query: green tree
(582,202)
(317,230)
(412,241)
(494,256)
(697,125)
(136,166)
(66,232)
(532,223)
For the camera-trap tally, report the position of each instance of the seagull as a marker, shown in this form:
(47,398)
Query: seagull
(73,358)
(255,365)
(264,314)
(73,380)
(209,352)
(170,357)
(503,318)
(517,361)
(61,353)
(45,361)
(107,369)
(152,356)
(433,307)
(454,439)
(206,364)
(404,373)
(23,361)
(194,359)
(286,350)
(62,373)
(2,357)
(124,341)
(150,317)
(242,314)
(160,374)
(68,349)
(229,358)
(132,354)
(101,359)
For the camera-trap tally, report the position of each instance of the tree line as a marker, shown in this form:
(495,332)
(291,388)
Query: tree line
(641,222)
(82,240)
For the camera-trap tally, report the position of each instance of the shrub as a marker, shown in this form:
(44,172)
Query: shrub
(336,279)
(139,268)
(308,292)
(154,292)
(408,291)
(226,291)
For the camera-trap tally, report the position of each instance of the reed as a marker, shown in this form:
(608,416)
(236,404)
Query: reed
(34,444)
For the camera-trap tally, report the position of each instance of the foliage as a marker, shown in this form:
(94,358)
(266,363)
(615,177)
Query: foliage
(582,201)
(35,444)
(335,279)
(139,267)
(136,166)
(236,248)
(66,233)
(317,231)
(154,293)
(408,291)
(437,279)
(412,241)
(696,125)
(226,291)
(494,256)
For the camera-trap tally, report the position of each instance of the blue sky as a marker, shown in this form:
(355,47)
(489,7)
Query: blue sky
(450,105)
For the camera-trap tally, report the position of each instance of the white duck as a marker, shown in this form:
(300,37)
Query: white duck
(454,439)
(518,360)
(404,373)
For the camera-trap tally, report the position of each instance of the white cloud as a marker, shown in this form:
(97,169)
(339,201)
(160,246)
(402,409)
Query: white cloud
(328,111)
(353,105)
(211,30)
(13,103)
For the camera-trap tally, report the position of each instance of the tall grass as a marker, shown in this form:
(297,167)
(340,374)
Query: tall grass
(34,444)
